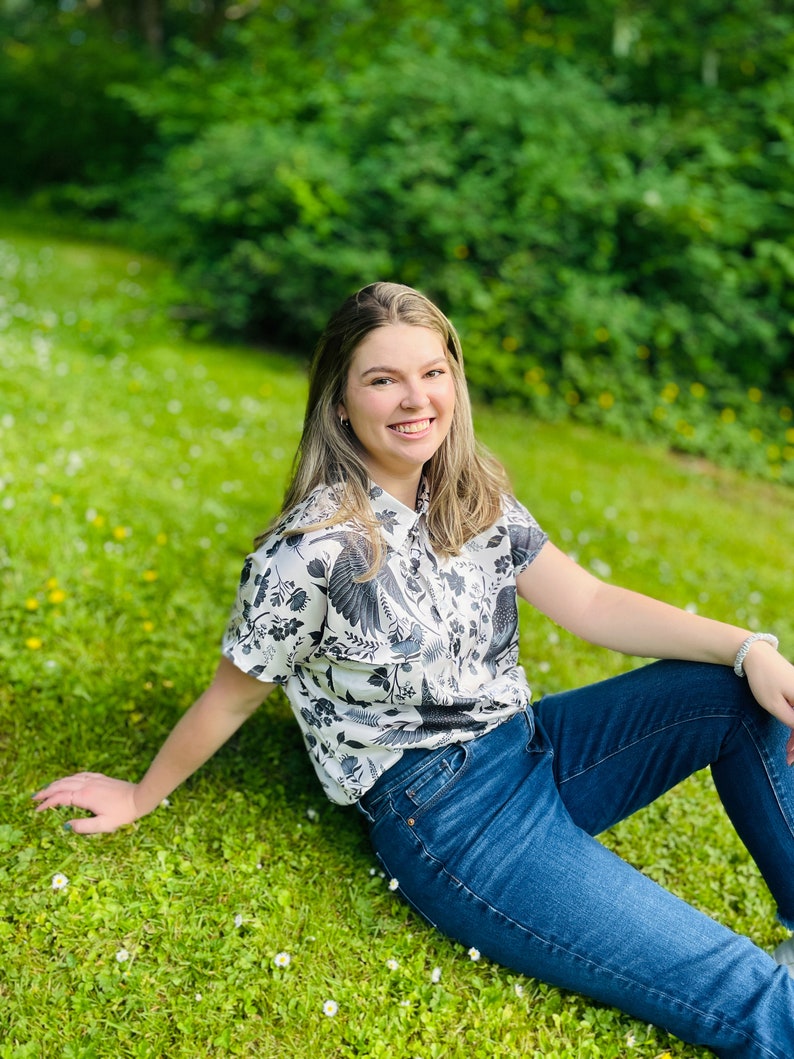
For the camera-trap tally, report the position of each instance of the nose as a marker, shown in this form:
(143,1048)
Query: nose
(415,395)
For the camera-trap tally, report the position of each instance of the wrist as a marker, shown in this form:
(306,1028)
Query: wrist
(144,803)
(748,645)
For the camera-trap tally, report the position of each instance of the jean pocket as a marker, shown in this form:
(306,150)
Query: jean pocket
(427,786)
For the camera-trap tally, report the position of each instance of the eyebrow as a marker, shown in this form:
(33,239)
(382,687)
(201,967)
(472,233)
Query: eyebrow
(382,370)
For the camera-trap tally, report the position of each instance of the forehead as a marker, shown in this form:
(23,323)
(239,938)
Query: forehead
(398,345)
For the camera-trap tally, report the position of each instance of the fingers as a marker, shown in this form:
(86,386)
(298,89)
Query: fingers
(90,825)
(59,791)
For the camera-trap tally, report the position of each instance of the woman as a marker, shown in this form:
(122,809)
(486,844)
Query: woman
(384,600)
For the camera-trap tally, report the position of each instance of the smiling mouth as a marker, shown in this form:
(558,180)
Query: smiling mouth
(411,428)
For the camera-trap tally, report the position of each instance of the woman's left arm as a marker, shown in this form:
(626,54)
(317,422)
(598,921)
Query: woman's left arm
(634,624)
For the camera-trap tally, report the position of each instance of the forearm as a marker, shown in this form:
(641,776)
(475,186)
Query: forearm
(214,716)
(212,719)
(193,740)
(638,625)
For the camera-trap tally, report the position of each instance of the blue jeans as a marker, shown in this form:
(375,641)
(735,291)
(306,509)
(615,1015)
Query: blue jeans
(491,841)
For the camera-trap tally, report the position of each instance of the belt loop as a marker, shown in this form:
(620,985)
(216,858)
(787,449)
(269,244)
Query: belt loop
(365,812)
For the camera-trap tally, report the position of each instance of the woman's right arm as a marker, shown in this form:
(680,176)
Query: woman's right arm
(212,719)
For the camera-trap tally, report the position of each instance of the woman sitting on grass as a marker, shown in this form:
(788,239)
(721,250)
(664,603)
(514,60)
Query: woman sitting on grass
(384,601)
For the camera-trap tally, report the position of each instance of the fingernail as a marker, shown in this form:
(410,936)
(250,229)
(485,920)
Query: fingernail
(67,827)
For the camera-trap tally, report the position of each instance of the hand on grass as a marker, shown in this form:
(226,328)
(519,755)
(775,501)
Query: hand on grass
(111,801)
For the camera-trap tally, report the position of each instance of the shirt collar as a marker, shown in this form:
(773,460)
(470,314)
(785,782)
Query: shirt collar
(397,520)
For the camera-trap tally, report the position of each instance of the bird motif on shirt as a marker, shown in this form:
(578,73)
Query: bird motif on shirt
(411,644)
(359,602)
(504,623)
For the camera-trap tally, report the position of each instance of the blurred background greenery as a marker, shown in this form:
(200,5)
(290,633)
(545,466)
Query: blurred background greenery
(599,192)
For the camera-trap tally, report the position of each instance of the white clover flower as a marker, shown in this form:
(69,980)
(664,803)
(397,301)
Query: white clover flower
(312,814)
(59,881)
(122,956)
(330,1008)
(165,803)
(435,975)
(199,997)
(392,965)
(373,871)
(394,884)
(238,920)
(474,954)
(282,959)
(518,989)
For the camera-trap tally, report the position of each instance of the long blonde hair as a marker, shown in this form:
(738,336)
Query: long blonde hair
(465,483)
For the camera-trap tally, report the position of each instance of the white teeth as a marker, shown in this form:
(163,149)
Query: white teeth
(412,428)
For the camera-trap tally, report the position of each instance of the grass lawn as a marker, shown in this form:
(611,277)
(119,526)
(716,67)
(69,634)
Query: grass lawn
(135,468)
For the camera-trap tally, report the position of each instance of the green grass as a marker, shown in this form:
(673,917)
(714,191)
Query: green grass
(135,467)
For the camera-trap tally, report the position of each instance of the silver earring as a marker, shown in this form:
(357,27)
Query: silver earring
(344,423)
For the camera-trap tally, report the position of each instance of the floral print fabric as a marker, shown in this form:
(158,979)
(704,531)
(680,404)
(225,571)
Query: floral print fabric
(423,654)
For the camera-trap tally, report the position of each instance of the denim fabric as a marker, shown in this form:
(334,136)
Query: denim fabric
(491,841)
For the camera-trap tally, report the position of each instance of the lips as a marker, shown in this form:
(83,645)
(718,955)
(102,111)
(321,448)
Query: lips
(411,428)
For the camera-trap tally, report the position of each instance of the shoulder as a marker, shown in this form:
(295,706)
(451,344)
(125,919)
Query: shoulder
(311,532)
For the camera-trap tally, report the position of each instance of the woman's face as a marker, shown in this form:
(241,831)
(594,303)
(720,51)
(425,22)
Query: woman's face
(399,398)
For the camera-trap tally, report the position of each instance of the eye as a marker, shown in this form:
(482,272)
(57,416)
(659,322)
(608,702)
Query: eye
(384,381)
(435,372)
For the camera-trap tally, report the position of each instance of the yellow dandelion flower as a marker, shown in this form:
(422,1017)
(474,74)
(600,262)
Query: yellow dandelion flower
(57,596)
(31,604)
(601,334)
(727,415)
(56,500)
(698,390)
(670,392)
(509,344)
(788,452)
(755,394)
(773,453)
(33,643)
(98,521)
(120,532)
(161,539)
(150,575)
(51,582)
(786,414)
(790,436)
(147,626)
(606,400)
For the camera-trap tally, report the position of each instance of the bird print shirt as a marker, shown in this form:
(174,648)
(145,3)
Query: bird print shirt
(423,654)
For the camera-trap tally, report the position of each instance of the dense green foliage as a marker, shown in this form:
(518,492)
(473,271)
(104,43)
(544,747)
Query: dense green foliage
(600,195)
(135,466)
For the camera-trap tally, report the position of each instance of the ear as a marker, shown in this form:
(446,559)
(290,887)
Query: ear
(341,411)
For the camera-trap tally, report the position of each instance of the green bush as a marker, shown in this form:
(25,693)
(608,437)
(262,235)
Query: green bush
(545,216)
(58,110)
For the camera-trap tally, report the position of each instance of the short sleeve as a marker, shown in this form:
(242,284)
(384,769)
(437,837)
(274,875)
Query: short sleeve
(526,536)
(279,611)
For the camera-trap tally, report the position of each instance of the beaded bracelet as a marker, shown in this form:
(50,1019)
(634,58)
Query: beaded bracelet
(741,654)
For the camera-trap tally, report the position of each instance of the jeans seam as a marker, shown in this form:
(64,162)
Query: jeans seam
(636,742)
(769,769)
(714,1019)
